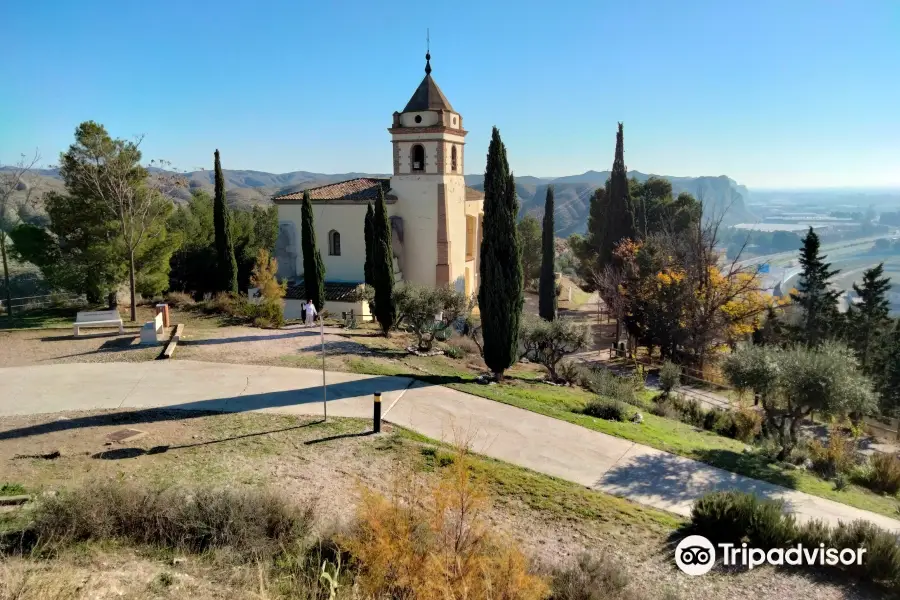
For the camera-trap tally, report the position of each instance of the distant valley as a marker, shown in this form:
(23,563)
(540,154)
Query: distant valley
(573,192)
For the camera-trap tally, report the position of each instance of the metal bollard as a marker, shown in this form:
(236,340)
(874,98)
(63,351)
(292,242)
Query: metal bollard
(376,418)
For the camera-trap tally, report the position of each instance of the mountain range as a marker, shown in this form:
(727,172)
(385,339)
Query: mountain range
(572,192)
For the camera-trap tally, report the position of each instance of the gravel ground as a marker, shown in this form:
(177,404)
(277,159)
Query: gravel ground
(250,345)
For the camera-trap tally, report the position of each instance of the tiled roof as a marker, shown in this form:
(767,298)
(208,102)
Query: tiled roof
(362,189)
(473,194)
(428,96)
(335,291)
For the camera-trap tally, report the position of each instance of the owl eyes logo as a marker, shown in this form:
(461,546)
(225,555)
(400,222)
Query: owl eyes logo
(695,555)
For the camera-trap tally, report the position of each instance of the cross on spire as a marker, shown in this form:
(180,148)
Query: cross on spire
(427,51)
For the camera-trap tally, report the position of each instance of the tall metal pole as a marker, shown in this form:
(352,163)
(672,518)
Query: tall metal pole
(324,392)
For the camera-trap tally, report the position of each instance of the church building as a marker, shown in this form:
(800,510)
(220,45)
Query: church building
(436,220)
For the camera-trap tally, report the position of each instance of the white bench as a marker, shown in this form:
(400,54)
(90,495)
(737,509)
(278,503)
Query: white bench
(98,318)
(152,330)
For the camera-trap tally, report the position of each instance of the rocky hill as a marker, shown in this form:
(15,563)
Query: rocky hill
(573,195)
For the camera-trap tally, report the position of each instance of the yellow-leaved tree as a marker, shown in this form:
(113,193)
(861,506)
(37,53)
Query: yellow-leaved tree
(270,310)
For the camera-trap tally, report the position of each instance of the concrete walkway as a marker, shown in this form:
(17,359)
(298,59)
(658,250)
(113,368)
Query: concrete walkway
(550,446)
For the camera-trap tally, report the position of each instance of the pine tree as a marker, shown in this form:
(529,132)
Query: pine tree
(888,377)
(227,265)
(313,267)
(500,293)
(619,217)
(868,320)
(772,332)
(547,289)
(383,267)
(369,233)
(818,302)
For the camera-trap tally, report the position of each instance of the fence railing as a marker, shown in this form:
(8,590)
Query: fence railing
(33,302)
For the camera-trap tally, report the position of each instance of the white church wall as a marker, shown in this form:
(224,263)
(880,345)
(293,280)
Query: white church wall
(417,205)
(349,221)
(455,194)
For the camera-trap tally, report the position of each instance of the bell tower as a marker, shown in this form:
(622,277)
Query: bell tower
(428,140)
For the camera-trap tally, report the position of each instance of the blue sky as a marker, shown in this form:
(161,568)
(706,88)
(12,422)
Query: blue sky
(784,93)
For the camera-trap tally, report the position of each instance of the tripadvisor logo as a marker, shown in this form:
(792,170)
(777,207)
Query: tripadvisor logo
(696,555)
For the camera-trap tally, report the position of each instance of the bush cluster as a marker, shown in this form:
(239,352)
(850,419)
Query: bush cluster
(607,408)
(743,424)
(834,458)
(737,517)
(604,382)
(884,473)
(189,520)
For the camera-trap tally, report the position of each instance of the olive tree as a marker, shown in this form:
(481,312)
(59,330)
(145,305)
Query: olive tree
(429,312)
(794,382)
(547,342)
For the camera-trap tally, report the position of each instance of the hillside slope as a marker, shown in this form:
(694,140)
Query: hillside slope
(573,192)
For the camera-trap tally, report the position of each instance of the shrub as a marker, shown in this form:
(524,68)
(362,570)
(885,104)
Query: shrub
(247,521)
(606,408)
(570,372)
(882,559)
(222,303)
(665,409)
(669,376)
(455,351)
(836,457)
(604,382)
(180,300)
(547,342)
(769,526)
(884,473)
(722,516)
(269,315)
(812,533)
(747,424)
(736,516)
(592,577)
(435,543)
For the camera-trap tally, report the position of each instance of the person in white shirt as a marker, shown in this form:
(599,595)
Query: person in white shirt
(310,313)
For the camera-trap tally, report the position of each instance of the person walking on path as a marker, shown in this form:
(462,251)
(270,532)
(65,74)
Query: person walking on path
(310,313)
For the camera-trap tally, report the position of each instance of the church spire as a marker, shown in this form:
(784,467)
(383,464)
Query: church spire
(428,63)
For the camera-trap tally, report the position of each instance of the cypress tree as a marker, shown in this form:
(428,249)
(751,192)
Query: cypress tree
(618,222)
(227,265)
(369,233)
(868,319)
(313,267)
(547,290)
(814,297)
(383,266)
(500,293)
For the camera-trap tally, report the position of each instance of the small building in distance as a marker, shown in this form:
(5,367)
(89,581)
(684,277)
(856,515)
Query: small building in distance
(436,221)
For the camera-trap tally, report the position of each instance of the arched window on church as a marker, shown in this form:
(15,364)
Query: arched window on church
(334,243)
(418,158)
(453,159)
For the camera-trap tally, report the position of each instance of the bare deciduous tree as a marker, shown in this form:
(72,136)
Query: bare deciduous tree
(13,179)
